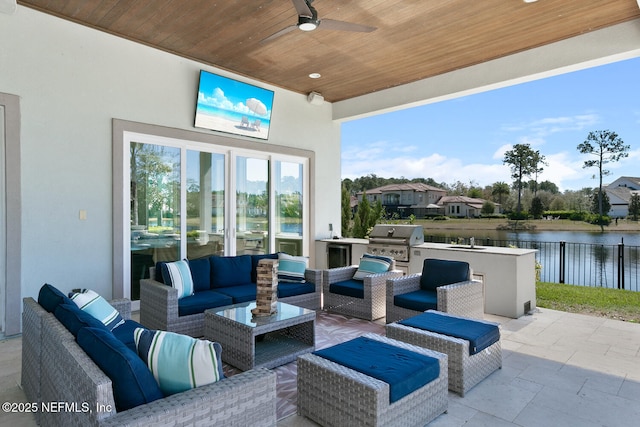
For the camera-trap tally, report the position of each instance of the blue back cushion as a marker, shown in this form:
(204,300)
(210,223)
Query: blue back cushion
(417,300)
(439,272)
(201,273)
(479,334)
(133,382)
(50,297)
(240,293)
(254,264)
(158,272)
(124,333)
(404,370)
(75,319)
(230,271)
(351,288)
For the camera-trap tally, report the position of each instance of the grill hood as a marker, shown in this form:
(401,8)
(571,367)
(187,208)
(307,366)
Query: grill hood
(397,234)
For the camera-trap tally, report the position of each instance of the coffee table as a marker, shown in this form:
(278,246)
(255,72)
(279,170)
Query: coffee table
(250,342)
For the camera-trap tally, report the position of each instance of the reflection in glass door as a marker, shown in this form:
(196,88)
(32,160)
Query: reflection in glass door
(155,208)
(252,206)
(288,227)
(205,204)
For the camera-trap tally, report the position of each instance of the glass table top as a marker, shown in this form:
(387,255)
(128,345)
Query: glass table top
(242,313)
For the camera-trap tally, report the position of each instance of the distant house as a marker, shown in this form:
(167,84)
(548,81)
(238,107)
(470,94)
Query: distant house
(422,200)
(619,192)
(462,206)
(406,199)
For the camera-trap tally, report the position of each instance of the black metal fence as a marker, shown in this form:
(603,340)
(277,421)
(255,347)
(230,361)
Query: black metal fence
(585,264)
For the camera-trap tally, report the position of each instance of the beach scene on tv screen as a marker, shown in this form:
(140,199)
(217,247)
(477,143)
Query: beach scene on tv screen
(231,106)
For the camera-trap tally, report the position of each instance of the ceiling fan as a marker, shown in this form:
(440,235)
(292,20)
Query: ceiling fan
(308,21)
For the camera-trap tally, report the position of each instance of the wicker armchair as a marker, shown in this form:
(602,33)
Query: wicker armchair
(159,305)
(371,306)
(443,285)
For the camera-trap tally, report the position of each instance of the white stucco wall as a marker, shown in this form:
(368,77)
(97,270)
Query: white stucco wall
(72,81)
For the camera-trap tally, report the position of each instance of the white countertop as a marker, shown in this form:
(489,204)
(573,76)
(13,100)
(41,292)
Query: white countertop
(477,249)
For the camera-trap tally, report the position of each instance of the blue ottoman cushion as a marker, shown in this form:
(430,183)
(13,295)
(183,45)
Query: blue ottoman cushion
(479,334)
(350,288)
(417,300)
(405,371)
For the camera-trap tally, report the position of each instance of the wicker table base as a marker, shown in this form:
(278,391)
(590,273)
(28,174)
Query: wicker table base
(250,342)
(465,371)
(334,395)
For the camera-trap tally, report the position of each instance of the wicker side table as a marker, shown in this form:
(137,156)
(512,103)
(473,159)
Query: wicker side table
(465,371)
(250,342)
(333,395)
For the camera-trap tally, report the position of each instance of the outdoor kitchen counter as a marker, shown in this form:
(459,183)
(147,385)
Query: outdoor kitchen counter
(508,274)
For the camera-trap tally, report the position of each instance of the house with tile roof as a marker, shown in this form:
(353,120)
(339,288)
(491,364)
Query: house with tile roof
(463,206)
(405,199)
(619,192)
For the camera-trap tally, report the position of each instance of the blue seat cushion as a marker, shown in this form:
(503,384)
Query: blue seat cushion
(230,271)
(124,333)
(479,334)
(75,319)
(50,297)
(404,370)
(254,264)
(440,272)
(286,289)
(417,300)
(133,383)
(201,301)
(350,288)
(200,273)
(240,293)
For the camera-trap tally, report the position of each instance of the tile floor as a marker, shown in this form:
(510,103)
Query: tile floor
(559,369)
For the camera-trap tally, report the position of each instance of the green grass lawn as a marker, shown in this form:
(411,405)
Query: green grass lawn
(611,303)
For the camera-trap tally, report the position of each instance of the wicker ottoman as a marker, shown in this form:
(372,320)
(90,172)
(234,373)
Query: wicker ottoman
(465,370)
(334,395)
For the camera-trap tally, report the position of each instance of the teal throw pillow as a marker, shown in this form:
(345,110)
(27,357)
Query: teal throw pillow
(372,264)
(291,268)
(178,275)
(92,303)
(179,362)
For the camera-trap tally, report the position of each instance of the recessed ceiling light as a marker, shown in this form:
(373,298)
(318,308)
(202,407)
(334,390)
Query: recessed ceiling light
(530,1)
(315,75)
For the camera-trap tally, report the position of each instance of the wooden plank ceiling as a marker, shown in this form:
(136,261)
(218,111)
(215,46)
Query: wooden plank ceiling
(415,39)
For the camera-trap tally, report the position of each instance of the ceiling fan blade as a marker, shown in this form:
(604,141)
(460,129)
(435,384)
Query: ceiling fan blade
(279,33)
(331,24)
(302,7)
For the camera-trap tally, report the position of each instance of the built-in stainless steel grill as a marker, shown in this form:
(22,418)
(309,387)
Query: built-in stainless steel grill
(395,240)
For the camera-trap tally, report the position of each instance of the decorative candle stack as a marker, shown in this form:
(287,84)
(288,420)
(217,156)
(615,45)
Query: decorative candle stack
(267,287)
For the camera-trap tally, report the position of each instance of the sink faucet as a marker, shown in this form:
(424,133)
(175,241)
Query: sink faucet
(472,242)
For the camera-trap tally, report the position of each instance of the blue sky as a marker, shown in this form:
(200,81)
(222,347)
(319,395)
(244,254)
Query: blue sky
(465,139)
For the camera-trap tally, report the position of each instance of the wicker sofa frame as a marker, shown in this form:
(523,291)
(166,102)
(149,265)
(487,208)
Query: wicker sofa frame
(159,305)
(371,307)
(465,371)
(463,298)
(334,395)
(56,369)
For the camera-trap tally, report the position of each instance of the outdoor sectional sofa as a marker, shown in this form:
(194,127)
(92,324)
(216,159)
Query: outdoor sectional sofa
(218,281)
(69,389)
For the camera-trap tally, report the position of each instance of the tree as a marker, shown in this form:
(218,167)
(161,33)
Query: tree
(600,204)
(361,221)
(549,186)
(608,147)
(634,206)
(538,161)
(537,207)
(500,189)
(488,208)
(523,161)
(346,212)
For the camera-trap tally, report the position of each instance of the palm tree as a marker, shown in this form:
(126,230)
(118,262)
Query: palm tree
(500,189)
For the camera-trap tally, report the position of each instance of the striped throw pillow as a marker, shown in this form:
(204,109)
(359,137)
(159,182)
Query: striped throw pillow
(179,362)
(291,268)
(92,303)
(372,264)
(178,275)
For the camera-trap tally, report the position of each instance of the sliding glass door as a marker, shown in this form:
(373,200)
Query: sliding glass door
(189,200)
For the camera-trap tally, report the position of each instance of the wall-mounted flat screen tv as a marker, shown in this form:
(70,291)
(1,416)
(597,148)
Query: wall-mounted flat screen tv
(230,106)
